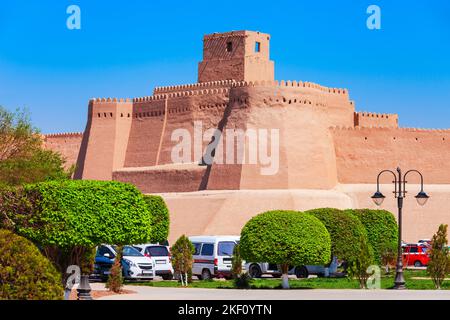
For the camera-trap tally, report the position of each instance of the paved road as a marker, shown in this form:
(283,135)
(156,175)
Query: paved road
(155,293)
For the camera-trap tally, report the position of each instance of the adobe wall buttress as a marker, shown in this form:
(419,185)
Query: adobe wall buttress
(105,141)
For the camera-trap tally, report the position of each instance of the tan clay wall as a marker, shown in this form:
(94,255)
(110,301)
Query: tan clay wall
(159,179)
(242,63)
(104,146)
(369,119)
(226,212)
(362,152)
(66,144)
(302,114)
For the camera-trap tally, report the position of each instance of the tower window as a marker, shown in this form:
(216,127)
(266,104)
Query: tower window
(257,46)
(229,46)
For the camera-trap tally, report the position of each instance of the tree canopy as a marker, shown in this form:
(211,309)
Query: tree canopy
(23,158)
(345,231)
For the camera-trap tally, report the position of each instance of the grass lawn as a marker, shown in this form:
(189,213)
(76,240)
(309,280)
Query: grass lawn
(387,282)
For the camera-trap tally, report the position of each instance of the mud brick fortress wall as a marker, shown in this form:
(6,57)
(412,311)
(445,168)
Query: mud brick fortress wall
(329,153)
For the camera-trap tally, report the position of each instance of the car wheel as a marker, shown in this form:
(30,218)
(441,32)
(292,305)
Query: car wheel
(254,271)
(167,276)
(417,264)
(206,275)
(301,272)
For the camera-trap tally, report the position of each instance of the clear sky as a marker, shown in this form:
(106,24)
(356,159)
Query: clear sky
(125,48)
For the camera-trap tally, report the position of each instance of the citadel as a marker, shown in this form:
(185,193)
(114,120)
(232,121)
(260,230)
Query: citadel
(329,154)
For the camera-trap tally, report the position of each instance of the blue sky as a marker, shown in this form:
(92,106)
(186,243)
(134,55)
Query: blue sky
(125,48)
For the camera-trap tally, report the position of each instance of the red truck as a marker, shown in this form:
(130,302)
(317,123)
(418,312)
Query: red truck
(415,255)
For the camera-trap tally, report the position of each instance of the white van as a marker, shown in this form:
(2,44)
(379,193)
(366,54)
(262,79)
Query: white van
(212,257)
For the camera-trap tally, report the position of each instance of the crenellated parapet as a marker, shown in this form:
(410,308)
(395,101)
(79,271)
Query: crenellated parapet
(194,86)
(111,100)
(182,94)
(289,83)
(64,135)
(371,119)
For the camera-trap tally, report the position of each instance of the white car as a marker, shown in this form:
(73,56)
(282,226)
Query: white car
(161,258)
(212,257)
(134,264)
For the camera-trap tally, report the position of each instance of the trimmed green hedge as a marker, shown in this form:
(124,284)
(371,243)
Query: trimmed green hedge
(25,274)
(381,227)
(161,219)
(345,231)
(285,237)
(78,213)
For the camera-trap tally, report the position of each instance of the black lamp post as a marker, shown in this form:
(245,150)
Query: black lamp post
(400,193)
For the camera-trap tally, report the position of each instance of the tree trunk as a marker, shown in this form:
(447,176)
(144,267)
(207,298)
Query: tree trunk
(284,277)
(186,279)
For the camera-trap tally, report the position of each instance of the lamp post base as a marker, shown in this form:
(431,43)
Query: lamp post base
(399,283)
(84,289)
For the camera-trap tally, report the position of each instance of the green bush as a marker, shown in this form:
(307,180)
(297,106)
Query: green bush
(439,264)
(182,258)
(287,238)
(25,274)
(358,267)
(160,216)
(345,231)
(382,230)
(78,213)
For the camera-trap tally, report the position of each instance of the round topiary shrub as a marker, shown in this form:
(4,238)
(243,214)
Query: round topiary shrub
(382,230)
(25,274)
(160,218)
(286,238)
(345,231)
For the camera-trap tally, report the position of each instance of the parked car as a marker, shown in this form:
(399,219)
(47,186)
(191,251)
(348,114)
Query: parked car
(415,255)
(161,258)
(212,257)
(134,264)
(257,270)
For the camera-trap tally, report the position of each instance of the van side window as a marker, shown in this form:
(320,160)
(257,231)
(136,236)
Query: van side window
(197,247)
(207,249)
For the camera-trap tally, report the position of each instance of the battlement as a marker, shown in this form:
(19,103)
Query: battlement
(179,94)
(289,83)
(381,129)
(64,135)
(112,100)
(370,119)
(234,84)
(194,86)
(218,35)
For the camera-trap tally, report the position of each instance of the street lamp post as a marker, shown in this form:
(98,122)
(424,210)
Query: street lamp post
(400,194)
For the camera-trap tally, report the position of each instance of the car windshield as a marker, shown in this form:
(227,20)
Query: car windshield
(226,248)
(130,252)
(157,251)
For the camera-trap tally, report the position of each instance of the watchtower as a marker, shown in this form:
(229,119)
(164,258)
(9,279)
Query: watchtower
(236,55)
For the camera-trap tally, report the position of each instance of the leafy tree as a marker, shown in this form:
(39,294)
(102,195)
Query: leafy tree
(286,238)
(358,267)
(382,230)
(160,216)
(22,156)
(241,280)
(115,279)
(388,255)
(182,259)
(345,231)
(439,264)
(68,218)
(236,262)
(25,274)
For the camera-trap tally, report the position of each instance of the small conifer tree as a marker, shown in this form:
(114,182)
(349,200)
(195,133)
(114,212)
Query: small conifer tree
(439,264)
